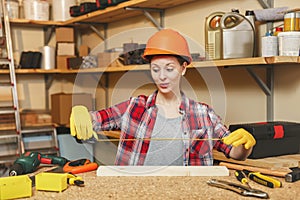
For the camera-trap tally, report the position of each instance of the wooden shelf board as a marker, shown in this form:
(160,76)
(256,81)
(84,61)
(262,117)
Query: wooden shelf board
(34,23)
(124,68)
(118,12)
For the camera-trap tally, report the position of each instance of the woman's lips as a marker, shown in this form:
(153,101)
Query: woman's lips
(164,85)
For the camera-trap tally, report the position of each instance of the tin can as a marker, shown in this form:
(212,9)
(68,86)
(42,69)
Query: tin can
(292,21)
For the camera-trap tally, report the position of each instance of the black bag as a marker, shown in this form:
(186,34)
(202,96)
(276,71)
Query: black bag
(272,138)
(30,60)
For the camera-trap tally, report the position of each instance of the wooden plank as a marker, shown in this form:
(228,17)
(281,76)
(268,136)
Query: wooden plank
(162,171)
(118,12)
(275,162)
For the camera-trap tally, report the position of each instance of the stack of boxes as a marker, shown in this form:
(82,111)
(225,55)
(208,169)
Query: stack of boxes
(65,46)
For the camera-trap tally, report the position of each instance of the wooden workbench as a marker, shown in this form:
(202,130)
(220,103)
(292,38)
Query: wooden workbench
(160,188)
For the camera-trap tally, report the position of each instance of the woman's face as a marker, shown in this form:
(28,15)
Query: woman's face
(166,73)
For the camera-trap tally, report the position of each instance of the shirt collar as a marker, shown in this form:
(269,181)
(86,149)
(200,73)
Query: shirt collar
(182,108)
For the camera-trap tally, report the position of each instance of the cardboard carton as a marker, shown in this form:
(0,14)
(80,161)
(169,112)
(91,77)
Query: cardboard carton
(64,34)
(62,103)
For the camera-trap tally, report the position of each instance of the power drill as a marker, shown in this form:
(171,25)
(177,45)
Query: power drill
(26,163)
(30,161)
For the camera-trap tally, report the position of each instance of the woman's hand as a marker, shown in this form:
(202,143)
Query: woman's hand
(81,123)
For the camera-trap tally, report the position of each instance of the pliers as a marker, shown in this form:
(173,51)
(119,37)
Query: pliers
(238,188)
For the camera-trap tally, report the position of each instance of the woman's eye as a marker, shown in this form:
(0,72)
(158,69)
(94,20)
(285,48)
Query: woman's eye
(170,69)
(154,69)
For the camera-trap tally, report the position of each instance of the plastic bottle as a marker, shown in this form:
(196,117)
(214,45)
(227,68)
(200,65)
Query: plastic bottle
(250,16)
(269,45)
(278,30)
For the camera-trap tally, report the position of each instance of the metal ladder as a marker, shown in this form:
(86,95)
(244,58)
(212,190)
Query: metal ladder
(10,137)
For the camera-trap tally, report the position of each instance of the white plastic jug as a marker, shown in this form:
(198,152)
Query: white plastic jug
(238,36)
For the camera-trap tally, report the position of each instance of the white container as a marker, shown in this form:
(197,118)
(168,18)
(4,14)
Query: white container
(36,10)
(237,36)
(289,43)
(61,9)
(269,46)
(12,7)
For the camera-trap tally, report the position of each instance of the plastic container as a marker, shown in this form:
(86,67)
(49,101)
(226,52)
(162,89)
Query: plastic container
(292,21)
(14,187)
(55,182)
(61,9)
(269,45)
(238,36)
(289,43)
(12,7)
(36,10)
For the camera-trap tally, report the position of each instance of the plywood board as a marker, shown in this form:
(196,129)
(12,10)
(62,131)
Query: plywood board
(162,171)
(286,161)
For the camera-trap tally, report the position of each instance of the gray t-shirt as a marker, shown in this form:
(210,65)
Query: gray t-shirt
(165,152)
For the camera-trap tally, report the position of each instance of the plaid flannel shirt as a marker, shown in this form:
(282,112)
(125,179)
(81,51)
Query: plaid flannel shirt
(136,118)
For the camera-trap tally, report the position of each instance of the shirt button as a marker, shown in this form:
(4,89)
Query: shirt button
(185,133)
(187,150)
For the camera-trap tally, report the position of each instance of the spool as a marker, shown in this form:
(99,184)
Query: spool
(60,9)
(48,57)
(36,10)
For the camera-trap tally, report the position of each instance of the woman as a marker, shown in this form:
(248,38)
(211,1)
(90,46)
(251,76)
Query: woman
(166,127)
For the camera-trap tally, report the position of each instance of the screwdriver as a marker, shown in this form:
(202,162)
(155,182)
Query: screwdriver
(262,179)
(241,176)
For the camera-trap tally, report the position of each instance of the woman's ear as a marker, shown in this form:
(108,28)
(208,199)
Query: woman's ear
(183,68)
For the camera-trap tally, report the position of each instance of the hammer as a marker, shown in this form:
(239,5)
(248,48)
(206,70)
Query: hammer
(293,176)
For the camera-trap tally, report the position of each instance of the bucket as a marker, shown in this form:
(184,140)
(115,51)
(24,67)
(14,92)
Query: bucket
(12,7)
(36,10)
(61,9)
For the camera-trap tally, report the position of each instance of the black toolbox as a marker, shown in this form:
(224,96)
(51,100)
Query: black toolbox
(102,4)
(272,138)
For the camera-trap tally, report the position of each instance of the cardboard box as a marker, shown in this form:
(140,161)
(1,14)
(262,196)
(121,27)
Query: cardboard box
(65,49)
(62,103)
(84,50)
(35,118)
(107,59)
(62,62)
(64,34)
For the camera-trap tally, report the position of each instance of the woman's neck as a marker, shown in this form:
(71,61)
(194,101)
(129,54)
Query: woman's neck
(168,99)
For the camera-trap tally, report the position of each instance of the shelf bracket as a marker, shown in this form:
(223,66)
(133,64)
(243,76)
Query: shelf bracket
(268,88)
(265,4)
(147,11)
(48,82)
(104,85)
(48,32)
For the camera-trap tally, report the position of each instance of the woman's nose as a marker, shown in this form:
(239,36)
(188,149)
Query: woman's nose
(162,75)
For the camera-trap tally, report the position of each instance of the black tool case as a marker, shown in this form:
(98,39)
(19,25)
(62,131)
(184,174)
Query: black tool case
(272,138)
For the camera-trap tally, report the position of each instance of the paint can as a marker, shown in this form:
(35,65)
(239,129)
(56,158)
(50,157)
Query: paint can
(292,21)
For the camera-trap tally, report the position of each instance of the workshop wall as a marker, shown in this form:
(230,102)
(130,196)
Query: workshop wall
(237,97)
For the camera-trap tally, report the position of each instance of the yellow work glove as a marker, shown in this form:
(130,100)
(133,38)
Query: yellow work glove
(81,123)
(238,137)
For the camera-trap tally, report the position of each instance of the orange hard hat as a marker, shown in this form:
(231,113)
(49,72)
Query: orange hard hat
(167,42)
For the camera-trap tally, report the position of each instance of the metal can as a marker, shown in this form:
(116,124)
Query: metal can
(292,21)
